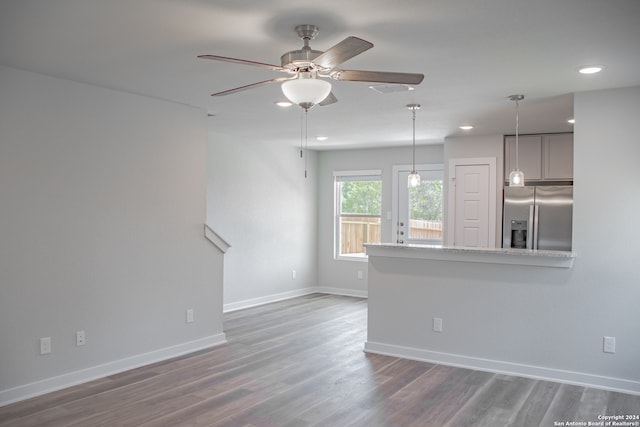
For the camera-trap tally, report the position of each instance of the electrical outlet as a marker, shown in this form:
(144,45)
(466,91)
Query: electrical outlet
(360,275)
(80,339)
(190,315)
(609,344)
(293,274)
(45,345)
(437,324)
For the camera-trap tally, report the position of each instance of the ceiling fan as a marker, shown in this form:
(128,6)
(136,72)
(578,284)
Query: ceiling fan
(306,66)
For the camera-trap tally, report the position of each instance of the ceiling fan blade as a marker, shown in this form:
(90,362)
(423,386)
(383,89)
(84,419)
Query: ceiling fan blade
(330,99)
(346,49)
(377,77)
(250,86)
(243,61)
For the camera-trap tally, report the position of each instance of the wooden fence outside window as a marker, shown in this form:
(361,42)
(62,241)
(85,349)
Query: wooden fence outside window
(356,230)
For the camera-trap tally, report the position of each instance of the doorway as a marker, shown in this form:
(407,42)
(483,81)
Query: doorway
(417,212)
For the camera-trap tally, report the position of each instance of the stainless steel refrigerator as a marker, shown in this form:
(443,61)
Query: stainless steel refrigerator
(538,217)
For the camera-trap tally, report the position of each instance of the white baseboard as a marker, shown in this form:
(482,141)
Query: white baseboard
(508,368)
(254,302)
(341,291)
(85,375)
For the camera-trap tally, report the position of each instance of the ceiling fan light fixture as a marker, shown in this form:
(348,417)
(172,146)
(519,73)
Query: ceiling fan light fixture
(306,91)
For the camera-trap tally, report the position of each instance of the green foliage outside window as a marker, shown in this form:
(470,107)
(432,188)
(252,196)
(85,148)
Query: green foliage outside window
(426,201)
(361,197)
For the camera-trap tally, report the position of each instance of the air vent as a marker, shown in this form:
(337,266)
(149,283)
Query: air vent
(391,88)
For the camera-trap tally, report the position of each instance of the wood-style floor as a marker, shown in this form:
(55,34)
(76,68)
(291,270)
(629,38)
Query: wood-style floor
(300,363)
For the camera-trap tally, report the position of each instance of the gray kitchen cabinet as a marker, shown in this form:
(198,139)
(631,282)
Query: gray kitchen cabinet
(529,155)
(557,152)
(547,157)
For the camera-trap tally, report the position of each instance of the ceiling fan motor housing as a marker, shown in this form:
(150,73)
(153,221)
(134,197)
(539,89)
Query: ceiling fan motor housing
(302,59)
(299,60)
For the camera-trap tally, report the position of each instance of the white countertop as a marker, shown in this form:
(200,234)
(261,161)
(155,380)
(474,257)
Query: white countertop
(529,257)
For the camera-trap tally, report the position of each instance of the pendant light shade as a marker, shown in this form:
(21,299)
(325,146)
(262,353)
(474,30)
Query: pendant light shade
(516,176)
(414,177)
(306,91)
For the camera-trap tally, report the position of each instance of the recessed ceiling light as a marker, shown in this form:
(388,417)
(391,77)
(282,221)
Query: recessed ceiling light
(572,121)
(283,104)
(466,127)
(591,69)
(322,138)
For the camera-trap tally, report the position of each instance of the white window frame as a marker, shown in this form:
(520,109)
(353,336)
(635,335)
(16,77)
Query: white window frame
(349,175)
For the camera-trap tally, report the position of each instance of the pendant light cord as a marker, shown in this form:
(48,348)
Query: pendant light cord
(517,128)
(414,141)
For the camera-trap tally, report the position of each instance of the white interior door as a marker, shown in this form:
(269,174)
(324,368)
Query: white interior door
(472,198)
(472,216)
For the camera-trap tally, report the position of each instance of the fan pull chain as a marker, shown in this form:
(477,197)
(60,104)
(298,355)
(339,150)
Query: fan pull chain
(301,131)
(306,143)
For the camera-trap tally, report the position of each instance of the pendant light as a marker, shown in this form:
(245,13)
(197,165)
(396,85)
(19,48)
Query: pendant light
(414,178)
(516,177)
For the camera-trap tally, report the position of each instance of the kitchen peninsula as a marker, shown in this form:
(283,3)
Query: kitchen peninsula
(469,307)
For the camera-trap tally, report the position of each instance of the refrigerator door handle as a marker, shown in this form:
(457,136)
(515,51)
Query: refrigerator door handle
(535,226)
(530,228)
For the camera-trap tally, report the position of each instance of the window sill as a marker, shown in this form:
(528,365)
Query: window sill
(356,258)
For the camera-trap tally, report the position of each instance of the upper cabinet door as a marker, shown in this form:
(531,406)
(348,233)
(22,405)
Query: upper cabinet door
(547,157)
(529,156)
(558,157)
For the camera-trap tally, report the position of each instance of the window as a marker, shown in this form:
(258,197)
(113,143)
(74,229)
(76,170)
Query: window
(358,207)
(418,211)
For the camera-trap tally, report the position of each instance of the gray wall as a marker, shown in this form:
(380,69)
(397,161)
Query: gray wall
(342,275)
(102,209)
(541,321)
(261,203)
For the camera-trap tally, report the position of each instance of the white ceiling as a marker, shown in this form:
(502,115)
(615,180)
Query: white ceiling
(473,53)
